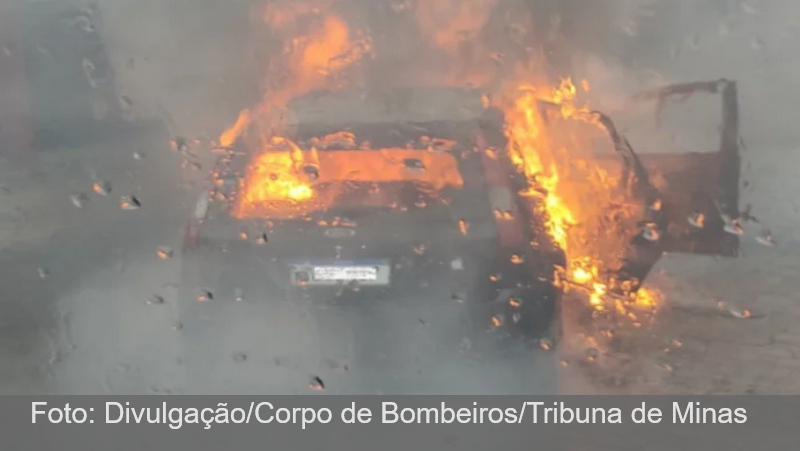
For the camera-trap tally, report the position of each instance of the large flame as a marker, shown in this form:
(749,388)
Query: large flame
(282,181)
(317,47)
(573,191)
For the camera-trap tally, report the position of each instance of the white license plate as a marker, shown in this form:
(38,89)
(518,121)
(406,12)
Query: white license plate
(345,273)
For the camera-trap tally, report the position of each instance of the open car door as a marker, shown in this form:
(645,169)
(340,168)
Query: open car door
(688,200)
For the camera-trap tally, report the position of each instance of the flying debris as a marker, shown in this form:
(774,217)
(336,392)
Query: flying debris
(463,226)
(734,227)
(155,300)
(129,203)
(592,354)
(79,200)
(164,252)
(765,238)
(697,220)
(458,297)
(656,205)
(497,321)
(102,188)
(262,239)
(651,233)
(205,296)
(180,144)
(743,314)
(316,384)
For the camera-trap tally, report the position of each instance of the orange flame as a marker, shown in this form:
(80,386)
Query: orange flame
(546,166)
(277,184)
(316,47)
(229,136)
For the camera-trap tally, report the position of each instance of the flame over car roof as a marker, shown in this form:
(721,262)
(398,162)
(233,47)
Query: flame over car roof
(285,184)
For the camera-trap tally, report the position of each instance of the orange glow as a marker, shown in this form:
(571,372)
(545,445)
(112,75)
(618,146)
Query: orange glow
(230,135)
(318,47)
(581,276)
(564,194)
(277,184)
(648,298)
(527,147)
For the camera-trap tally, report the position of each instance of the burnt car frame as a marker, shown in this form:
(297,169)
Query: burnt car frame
(460,255)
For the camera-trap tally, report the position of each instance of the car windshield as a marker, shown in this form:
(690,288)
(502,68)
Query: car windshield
(520,197)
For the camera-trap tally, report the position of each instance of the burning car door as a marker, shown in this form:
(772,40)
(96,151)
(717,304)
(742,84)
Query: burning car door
(683,202)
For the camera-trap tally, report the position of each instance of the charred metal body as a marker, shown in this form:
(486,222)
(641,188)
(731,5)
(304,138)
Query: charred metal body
(460,265)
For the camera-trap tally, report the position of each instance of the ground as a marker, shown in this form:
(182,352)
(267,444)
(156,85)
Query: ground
(86,326)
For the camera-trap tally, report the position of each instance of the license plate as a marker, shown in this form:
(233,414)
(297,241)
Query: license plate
(336,272)
(345,273)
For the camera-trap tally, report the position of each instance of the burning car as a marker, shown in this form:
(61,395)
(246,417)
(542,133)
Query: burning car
(402,198)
